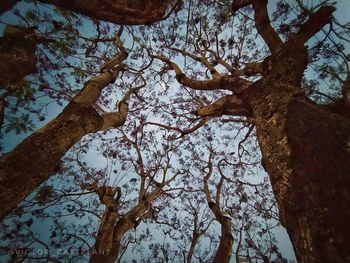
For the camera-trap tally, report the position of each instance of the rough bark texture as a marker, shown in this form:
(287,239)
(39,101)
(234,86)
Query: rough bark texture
(105,255)
(306,152)
(30,163)
(113,227)
(123,12)
(34,160)
(120,228)
(106,247)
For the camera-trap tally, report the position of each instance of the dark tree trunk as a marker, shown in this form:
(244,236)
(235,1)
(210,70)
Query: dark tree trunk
(108,252)
(122,12)
(106,249)
(105,255)
(31,162)
(35,159)
(17,55)
(306,152)
(223,254)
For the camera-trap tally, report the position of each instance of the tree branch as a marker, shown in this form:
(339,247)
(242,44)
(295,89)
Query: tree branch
(117,119)
(264,27)
(109,72)
(227,105)
(224,82)
(237,4)
(183,132)
(314,24)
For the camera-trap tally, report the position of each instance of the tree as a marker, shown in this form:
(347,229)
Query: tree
(18,45)
(223,254)
(293,131)
(126,204)
(223,68)
(57,137)
(115,224)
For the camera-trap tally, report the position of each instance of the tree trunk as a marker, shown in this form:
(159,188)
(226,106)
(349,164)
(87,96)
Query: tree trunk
(194,241)
(31,162)
(105,255)
(17,54)
(35,159)
(112,228)
(223,254)
(122,12)
(306,152)
(108,252)
(105,248)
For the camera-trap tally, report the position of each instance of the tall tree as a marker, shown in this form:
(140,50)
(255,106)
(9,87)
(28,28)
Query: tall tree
(304,145)
(222,67)
(18,45)
(224,251)
(114,224)
(54,139)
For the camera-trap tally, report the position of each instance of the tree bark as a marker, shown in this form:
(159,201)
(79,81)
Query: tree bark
(224,251)
(109,253)
(17,55)
(104,244)
(306,152)
(106,248)
(31,162)
(195,237)
(223,254)
(112,228)
(35,159)
(122,12)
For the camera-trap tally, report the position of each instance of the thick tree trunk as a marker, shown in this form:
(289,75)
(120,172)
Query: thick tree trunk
(35,159)
(122,12)
(31,162)
(109,255)
(306,152)
(223,254)
(105,248)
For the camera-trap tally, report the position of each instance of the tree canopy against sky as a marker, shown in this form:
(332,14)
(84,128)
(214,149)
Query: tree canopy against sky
(200,92)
